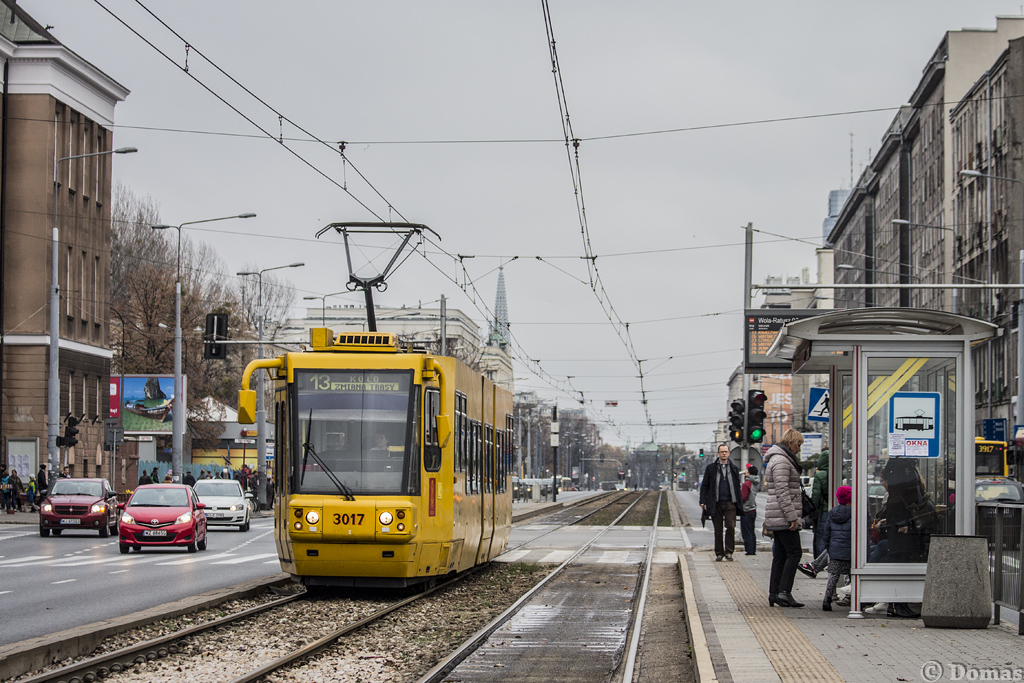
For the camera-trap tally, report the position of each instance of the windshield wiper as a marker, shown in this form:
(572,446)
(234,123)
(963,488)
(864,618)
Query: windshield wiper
(307,450)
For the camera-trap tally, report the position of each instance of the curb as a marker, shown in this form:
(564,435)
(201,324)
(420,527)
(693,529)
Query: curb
(35,653)
(702,664)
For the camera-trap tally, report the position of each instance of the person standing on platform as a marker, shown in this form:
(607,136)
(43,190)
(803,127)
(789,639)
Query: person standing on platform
(720,499)
(821,499)
(782,515)
(748,492)
(838,536)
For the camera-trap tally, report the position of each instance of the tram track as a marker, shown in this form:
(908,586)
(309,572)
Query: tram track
(444,668)
(194,651)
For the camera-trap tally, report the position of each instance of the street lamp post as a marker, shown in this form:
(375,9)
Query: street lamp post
(323,304)
(261,413)
(53,381)
(1020,294)
(178,412)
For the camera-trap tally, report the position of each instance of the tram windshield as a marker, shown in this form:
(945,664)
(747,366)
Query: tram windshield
(357,427)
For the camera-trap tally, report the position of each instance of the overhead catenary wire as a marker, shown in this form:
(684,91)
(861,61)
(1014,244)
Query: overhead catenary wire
(572,145)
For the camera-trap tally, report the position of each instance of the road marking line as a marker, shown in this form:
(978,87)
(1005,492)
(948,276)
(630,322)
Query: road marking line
(513,556)
(613,557)
(192,560)
(239,560)
(29,559)
(54,583)
(557,556)
(119,571)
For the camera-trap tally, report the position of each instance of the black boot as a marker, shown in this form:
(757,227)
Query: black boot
(826,605)
(772,599)
(787,600)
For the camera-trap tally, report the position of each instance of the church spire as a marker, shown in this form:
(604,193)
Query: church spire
(499,328)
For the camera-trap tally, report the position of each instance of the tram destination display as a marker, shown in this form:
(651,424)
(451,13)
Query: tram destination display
(761,328)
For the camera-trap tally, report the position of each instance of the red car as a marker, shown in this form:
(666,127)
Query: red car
(162,515)
(80,504)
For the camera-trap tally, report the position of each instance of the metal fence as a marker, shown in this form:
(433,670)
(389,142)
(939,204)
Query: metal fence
(1003,526)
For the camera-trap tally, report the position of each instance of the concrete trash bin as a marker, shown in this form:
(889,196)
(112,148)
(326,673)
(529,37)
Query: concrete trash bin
(957,585)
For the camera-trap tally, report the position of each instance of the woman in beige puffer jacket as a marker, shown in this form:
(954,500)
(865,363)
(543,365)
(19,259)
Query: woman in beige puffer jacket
(783,511)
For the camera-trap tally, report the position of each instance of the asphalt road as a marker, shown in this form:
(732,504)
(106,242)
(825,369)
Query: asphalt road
(51,584)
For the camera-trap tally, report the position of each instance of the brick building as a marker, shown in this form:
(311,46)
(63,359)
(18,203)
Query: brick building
(55,105)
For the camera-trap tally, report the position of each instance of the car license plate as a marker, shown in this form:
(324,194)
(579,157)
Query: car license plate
(154,532)
(70,521)
(214,515)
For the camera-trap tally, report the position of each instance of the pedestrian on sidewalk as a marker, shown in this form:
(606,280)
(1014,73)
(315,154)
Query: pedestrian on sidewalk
(42,485)
(720,499)
(16,491)
(821,499)
(748,492)
(5,489)
(838,536)
(783,513)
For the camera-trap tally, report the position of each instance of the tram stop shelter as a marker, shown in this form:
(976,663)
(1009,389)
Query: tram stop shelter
(901,387)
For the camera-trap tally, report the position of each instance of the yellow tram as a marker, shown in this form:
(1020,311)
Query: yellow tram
(393,467)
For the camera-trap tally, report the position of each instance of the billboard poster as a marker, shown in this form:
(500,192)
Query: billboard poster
(115,397)
(148,403)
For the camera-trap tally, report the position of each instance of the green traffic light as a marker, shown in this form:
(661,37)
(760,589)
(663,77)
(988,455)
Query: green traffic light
(756,434)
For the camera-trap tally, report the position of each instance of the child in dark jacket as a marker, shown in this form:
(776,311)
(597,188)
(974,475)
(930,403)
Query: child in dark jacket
(838,538)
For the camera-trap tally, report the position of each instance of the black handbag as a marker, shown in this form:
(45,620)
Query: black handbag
(809,508)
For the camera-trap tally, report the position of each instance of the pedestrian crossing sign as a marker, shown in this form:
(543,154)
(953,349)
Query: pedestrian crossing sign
(818,410)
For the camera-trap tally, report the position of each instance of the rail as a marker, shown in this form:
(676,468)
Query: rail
(1003,525)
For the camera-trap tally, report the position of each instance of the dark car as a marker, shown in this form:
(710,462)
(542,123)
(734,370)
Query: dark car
(162,515)
(80,504)
(998,490)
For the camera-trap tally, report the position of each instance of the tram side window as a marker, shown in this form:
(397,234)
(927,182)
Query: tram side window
(470,468)
(488,458)
(431,449)
(460,432)
(476,457)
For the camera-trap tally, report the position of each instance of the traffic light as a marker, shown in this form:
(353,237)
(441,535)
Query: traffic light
(70,432)
(736,420)
(755,415)
(216,331)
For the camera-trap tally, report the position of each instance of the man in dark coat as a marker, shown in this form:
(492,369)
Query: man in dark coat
(720,499)
(189,480)
(41,482)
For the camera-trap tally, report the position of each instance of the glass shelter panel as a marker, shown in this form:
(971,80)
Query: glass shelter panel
(354,428)
(846,448)
(911,455)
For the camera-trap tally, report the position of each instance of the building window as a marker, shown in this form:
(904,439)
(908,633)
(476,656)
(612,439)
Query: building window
(81,287)
(96,290)
(67,287)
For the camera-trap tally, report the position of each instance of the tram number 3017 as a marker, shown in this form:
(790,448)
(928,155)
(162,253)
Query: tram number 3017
(356,519)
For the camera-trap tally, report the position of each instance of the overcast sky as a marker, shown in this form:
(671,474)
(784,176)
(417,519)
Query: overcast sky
(450,110)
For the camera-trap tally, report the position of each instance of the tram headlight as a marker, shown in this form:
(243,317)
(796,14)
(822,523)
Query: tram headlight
(400,514)
(298,526)
(312,517)
(385,518)
(401,527)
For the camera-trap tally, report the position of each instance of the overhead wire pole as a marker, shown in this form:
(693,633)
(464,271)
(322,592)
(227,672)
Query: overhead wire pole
(748,280)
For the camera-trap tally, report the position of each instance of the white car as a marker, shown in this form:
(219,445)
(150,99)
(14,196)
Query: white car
(225,503)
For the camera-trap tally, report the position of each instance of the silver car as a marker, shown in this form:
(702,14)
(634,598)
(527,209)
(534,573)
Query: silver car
(225,502)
